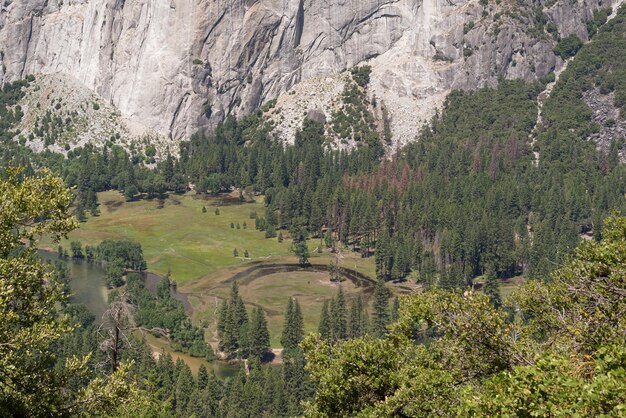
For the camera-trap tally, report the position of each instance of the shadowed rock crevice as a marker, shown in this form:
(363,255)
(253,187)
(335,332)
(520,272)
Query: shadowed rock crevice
(299,25)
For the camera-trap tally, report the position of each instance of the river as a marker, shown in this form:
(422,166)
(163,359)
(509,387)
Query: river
(89,288)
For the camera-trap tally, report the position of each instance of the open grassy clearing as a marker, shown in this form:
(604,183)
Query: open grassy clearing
(197,247)
(271,292)
(177,236)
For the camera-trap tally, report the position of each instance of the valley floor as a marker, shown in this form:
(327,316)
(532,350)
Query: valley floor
(197,247)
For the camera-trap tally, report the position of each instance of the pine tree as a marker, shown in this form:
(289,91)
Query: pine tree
(234,400)
(286,338)
(278,400)
(203,377)
(165,367)
(380,315)
(450,279)
(299,245)
(259,336)
(339,316)
(297,383)
(185,386)
(293,330)
(222,323)
(324,328)
(299,322)
(253,389)
(212,395)
(232,322)
(357,325)
(240,320)
(492,287)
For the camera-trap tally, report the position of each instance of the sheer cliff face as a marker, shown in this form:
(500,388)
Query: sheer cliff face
(169,63)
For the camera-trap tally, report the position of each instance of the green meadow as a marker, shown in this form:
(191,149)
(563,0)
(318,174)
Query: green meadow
(196,247)
(177,236)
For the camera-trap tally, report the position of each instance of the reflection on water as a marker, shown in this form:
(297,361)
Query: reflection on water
(87,283)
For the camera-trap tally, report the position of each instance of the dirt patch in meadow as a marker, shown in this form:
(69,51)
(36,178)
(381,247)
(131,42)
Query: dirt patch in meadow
(113,205)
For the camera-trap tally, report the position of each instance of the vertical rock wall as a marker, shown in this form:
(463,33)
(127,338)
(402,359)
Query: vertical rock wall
(171,63)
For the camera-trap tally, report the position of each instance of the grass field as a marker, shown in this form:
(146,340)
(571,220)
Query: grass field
(197,247)
(271,292)
(177,236)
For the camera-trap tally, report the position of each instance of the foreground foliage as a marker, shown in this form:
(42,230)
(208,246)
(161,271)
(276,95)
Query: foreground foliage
(556,349)
(29,320)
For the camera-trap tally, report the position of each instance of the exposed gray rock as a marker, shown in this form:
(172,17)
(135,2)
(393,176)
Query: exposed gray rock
(162,62)
(61,114)
(611,126)
(317,115)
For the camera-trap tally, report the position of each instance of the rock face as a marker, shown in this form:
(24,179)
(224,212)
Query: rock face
(61,114)
(177,65)
(606,116)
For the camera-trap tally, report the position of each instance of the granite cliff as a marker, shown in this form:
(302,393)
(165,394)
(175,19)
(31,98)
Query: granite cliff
(179,65)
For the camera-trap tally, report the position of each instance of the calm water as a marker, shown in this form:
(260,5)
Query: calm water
(87,282)
(89,288)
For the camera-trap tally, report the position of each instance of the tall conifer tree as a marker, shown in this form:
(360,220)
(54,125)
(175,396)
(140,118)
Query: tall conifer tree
(324,328)
(492,287)
(339,316)
(293,330)
(258,336)
(380,314)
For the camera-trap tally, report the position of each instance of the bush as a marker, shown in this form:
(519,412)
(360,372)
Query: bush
(361,75)
(568,47)
(150,151)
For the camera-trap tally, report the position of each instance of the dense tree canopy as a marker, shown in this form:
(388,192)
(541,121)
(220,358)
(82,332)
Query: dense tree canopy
(452,353)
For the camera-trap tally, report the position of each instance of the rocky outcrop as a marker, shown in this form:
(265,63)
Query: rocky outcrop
(176,65)
(61,114)
(609,125)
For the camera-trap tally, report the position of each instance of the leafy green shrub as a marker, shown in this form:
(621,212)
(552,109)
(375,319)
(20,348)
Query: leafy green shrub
(599,18)
(361,75)
(568,47)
